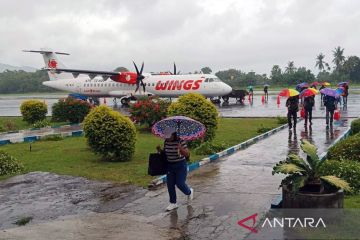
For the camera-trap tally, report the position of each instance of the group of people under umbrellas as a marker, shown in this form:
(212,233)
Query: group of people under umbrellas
(304,95)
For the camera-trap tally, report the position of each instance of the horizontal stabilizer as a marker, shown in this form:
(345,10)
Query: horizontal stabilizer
(45,51)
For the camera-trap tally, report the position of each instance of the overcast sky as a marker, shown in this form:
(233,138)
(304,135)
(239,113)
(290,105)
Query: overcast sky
(247,35)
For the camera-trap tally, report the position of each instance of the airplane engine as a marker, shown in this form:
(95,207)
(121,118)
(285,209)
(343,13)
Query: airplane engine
(125,77)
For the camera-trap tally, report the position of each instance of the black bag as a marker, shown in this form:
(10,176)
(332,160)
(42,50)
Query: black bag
(157,164)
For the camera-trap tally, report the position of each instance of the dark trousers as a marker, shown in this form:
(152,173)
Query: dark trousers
(293,115)
(308,115)
(176,175)
(329,114)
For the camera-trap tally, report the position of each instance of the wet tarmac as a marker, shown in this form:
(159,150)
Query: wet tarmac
(9,106)
(225,192)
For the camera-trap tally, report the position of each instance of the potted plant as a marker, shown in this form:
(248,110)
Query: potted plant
(305,186)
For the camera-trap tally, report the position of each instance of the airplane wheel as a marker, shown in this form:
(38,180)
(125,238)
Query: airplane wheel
(225,98)
(125,101)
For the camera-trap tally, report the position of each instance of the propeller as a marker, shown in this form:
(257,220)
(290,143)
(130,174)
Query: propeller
(139,77)
(175,73)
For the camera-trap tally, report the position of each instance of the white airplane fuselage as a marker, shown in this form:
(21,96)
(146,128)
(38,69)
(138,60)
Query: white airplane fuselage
(160,85)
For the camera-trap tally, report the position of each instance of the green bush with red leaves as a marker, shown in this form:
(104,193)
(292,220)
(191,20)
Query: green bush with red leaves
(70,109)
(148,110)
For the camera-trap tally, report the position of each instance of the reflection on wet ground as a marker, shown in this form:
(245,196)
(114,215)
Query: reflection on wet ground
(9,106)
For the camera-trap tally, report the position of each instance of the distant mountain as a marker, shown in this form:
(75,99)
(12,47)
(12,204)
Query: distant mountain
(4,67)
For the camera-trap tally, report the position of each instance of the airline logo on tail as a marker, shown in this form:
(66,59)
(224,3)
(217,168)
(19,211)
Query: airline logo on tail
(52,63)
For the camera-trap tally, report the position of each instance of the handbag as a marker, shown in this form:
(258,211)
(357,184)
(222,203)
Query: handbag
(157,164)
(302,113)
(337,115)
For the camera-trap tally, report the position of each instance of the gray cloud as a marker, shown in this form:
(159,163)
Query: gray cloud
(248,35)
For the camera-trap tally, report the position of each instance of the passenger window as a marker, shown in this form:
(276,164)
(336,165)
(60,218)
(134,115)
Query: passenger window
(206,80)
(211,80)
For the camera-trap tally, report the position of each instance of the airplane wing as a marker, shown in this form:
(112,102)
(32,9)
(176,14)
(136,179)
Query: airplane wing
(91,73)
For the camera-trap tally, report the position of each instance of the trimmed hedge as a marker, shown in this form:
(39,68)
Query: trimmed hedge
(33,111)
(347,149)
(110,134)
(9,164)
(355,126)
(208,148)
(347,170)
(196,106)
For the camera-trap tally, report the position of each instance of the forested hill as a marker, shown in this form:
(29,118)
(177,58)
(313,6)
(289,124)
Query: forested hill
(23,82)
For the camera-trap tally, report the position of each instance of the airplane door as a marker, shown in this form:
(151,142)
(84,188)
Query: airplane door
(78,87)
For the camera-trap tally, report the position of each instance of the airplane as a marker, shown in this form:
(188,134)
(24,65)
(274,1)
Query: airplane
(127,85)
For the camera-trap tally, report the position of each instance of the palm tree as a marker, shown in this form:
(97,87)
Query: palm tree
(320,61)
(339,58)
(290,67)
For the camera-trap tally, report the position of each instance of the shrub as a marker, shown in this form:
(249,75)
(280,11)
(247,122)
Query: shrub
(70,109)
(347,149)
(208,148)
(347,170)
(355,126)
(281,120)
(33,111)
(196,106)
(9,125)
(41,123)
(9,164)
(53,137)
(149,110)
(110,134)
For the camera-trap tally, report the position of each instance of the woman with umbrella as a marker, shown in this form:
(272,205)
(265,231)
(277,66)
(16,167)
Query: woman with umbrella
(292,103)
(345,94)
(266,89)
(175,130)
(330,96)
(309,102)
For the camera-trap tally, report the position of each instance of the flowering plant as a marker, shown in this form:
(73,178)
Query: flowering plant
(148,110)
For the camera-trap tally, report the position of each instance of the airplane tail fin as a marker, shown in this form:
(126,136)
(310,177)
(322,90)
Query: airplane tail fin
(52,61)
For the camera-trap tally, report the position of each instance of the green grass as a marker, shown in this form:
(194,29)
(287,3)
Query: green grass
(72,156)
(16,123)
(352,201)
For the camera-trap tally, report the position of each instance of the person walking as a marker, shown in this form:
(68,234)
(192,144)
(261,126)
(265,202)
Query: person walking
(309,103)
(330,105)
(292,104)
(266,88)
(176,153)
(345,94)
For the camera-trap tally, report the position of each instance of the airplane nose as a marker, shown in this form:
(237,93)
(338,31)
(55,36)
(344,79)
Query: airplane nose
(228,89)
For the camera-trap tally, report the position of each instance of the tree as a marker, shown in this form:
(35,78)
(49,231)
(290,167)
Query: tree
(290,68)
(339,58)
(351,68)
(276,75)
(121,69)
(320,62)
(206,70)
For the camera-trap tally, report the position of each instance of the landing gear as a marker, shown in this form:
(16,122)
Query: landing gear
(226,99)
(215,101)
(125,101)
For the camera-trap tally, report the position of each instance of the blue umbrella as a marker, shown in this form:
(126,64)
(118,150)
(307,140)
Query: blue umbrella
(266,85)
(186,128)
(340,90)
(330,92)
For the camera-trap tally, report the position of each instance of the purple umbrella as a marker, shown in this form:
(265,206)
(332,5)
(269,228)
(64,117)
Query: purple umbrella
(330,92)
(302,85)
(343,83)
(187,128)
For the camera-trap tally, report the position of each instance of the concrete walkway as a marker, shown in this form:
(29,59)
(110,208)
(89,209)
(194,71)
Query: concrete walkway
(225,192)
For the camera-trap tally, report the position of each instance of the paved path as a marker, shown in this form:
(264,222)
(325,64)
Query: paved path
(225,192)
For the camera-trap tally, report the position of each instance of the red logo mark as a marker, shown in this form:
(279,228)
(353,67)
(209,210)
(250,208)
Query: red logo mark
(52,63)
(178,85)
(252,229)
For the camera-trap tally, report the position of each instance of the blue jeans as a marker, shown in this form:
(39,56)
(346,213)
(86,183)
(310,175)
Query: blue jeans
(176,175)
